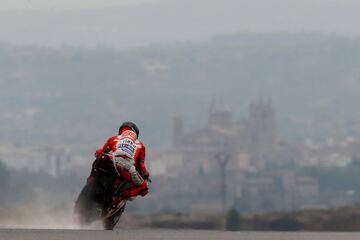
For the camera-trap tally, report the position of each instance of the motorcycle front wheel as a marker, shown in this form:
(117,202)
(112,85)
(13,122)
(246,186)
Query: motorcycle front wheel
(110,222)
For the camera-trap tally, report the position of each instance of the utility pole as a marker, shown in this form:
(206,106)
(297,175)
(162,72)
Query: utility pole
(223,159)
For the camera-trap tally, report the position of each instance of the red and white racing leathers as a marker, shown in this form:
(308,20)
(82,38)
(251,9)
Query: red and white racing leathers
(128,154)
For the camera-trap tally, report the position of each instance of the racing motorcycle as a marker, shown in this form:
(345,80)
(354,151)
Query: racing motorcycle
(94,202)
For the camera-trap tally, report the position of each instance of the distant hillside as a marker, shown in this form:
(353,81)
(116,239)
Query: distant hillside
(67,95)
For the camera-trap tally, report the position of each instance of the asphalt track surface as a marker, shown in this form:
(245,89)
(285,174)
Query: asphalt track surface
(143,234)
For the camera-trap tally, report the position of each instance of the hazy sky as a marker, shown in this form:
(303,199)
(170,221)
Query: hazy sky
(129,23)
(66,4)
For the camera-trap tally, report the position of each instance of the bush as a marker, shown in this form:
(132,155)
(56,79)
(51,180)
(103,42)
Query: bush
(4,182)
(232,220)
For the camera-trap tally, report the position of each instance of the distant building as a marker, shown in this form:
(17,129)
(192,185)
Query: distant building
(52,160)
(252,137)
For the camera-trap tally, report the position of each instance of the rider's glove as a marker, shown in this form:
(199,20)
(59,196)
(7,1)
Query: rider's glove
(143,192)
(98,152)
(145,175)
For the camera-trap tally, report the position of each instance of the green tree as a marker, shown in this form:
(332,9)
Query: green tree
(4,182)
(232,220)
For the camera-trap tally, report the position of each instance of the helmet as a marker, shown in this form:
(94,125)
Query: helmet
(130,125)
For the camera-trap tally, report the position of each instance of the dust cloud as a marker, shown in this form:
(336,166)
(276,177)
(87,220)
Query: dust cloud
(37,216)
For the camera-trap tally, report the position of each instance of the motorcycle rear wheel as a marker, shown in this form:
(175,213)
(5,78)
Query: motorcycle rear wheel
(88,208)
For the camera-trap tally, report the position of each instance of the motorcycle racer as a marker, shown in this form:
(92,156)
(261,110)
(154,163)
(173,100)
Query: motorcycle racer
(128,156)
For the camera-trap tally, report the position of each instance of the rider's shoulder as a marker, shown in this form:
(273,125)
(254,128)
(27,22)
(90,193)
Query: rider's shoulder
(113,138)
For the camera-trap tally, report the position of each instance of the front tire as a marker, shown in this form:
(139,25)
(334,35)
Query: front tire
(110,222)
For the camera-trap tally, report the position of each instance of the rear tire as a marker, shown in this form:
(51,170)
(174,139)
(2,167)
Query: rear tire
(88,207)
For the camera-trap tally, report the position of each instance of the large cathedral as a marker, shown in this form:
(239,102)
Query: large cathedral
(246,141)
